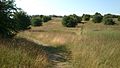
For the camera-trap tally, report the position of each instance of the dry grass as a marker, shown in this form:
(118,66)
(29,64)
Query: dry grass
(97,46)
(22,53)
(93,46)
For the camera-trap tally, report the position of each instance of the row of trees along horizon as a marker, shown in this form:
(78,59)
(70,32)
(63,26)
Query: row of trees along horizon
(13,19)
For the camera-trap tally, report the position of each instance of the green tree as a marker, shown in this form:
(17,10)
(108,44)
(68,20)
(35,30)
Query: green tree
(97,18)
(7,24)
(36,22)
(71,20)
(22,20)
(119,18)
(86,17)
(46,18)
(109,21)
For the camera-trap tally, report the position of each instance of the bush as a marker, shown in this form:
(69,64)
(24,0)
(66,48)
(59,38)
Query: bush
(7,24)
(109,21)
(86,17)
(42,17)
(71,20)
(97,18)
(119,18)
(46,18)
(22,20)
(77,18)
(36,22)
(108,16)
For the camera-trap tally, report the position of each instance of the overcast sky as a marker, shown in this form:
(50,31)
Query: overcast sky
(66,7)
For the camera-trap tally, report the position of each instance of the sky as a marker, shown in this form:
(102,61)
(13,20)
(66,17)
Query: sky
(67,7)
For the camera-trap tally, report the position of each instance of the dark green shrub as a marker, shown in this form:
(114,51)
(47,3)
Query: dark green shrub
(97,18)
(45,18)
(22,20)
(36,22)
(71,20)
(76,18)
(119,18)
(111,16)
(109,21)
(86,17)
(108,16)
(7,24)
(42,17)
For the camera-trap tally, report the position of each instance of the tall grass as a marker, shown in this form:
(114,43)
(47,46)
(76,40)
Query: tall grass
(22,53)
(97,50)
(97,46)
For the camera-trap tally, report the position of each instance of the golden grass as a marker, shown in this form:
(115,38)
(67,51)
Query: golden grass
(93,46)
(22,53)
(97,46)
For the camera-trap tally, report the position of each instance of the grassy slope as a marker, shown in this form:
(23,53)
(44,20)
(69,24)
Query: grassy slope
(93,46)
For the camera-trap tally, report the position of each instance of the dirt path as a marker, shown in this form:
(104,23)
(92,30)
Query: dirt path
(58,56)
(58,61)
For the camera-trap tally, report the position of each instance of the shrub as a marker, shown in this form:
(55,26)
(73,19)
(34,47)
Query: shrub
(45,18)
(7,24)
(42,17)
(109,21)
(36,22)
(108,16)
(77,18)
(119,18)
(22,20)
(86,17)
(71,20)
(97,18)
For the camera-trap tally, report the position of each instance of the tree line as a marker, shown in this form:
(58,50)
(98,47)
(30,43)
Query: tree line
(13,19)
(73,20)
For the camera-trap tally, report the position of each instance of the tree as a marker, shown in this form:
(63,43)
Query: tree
(22,20)
(46,18)
(97,18)
(119,18)
(86,17)
(109,21)
(7,24)
(36,22)
(71,20)
(111,16)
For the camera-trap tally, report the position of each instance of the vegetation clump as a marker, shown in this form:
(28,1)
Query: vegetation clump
(97,18)
(119,18)
(71,20)
(86,17)
(10,19)
(36,22)
(43,18)
(22,20)
(109,21)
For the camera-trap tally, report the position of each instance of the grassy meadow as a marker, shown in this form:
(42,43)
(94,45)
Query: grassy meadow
(88,45)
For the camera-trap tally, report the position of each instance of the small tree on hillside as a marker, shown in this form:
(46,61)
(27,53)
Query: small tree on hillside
(97,18)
